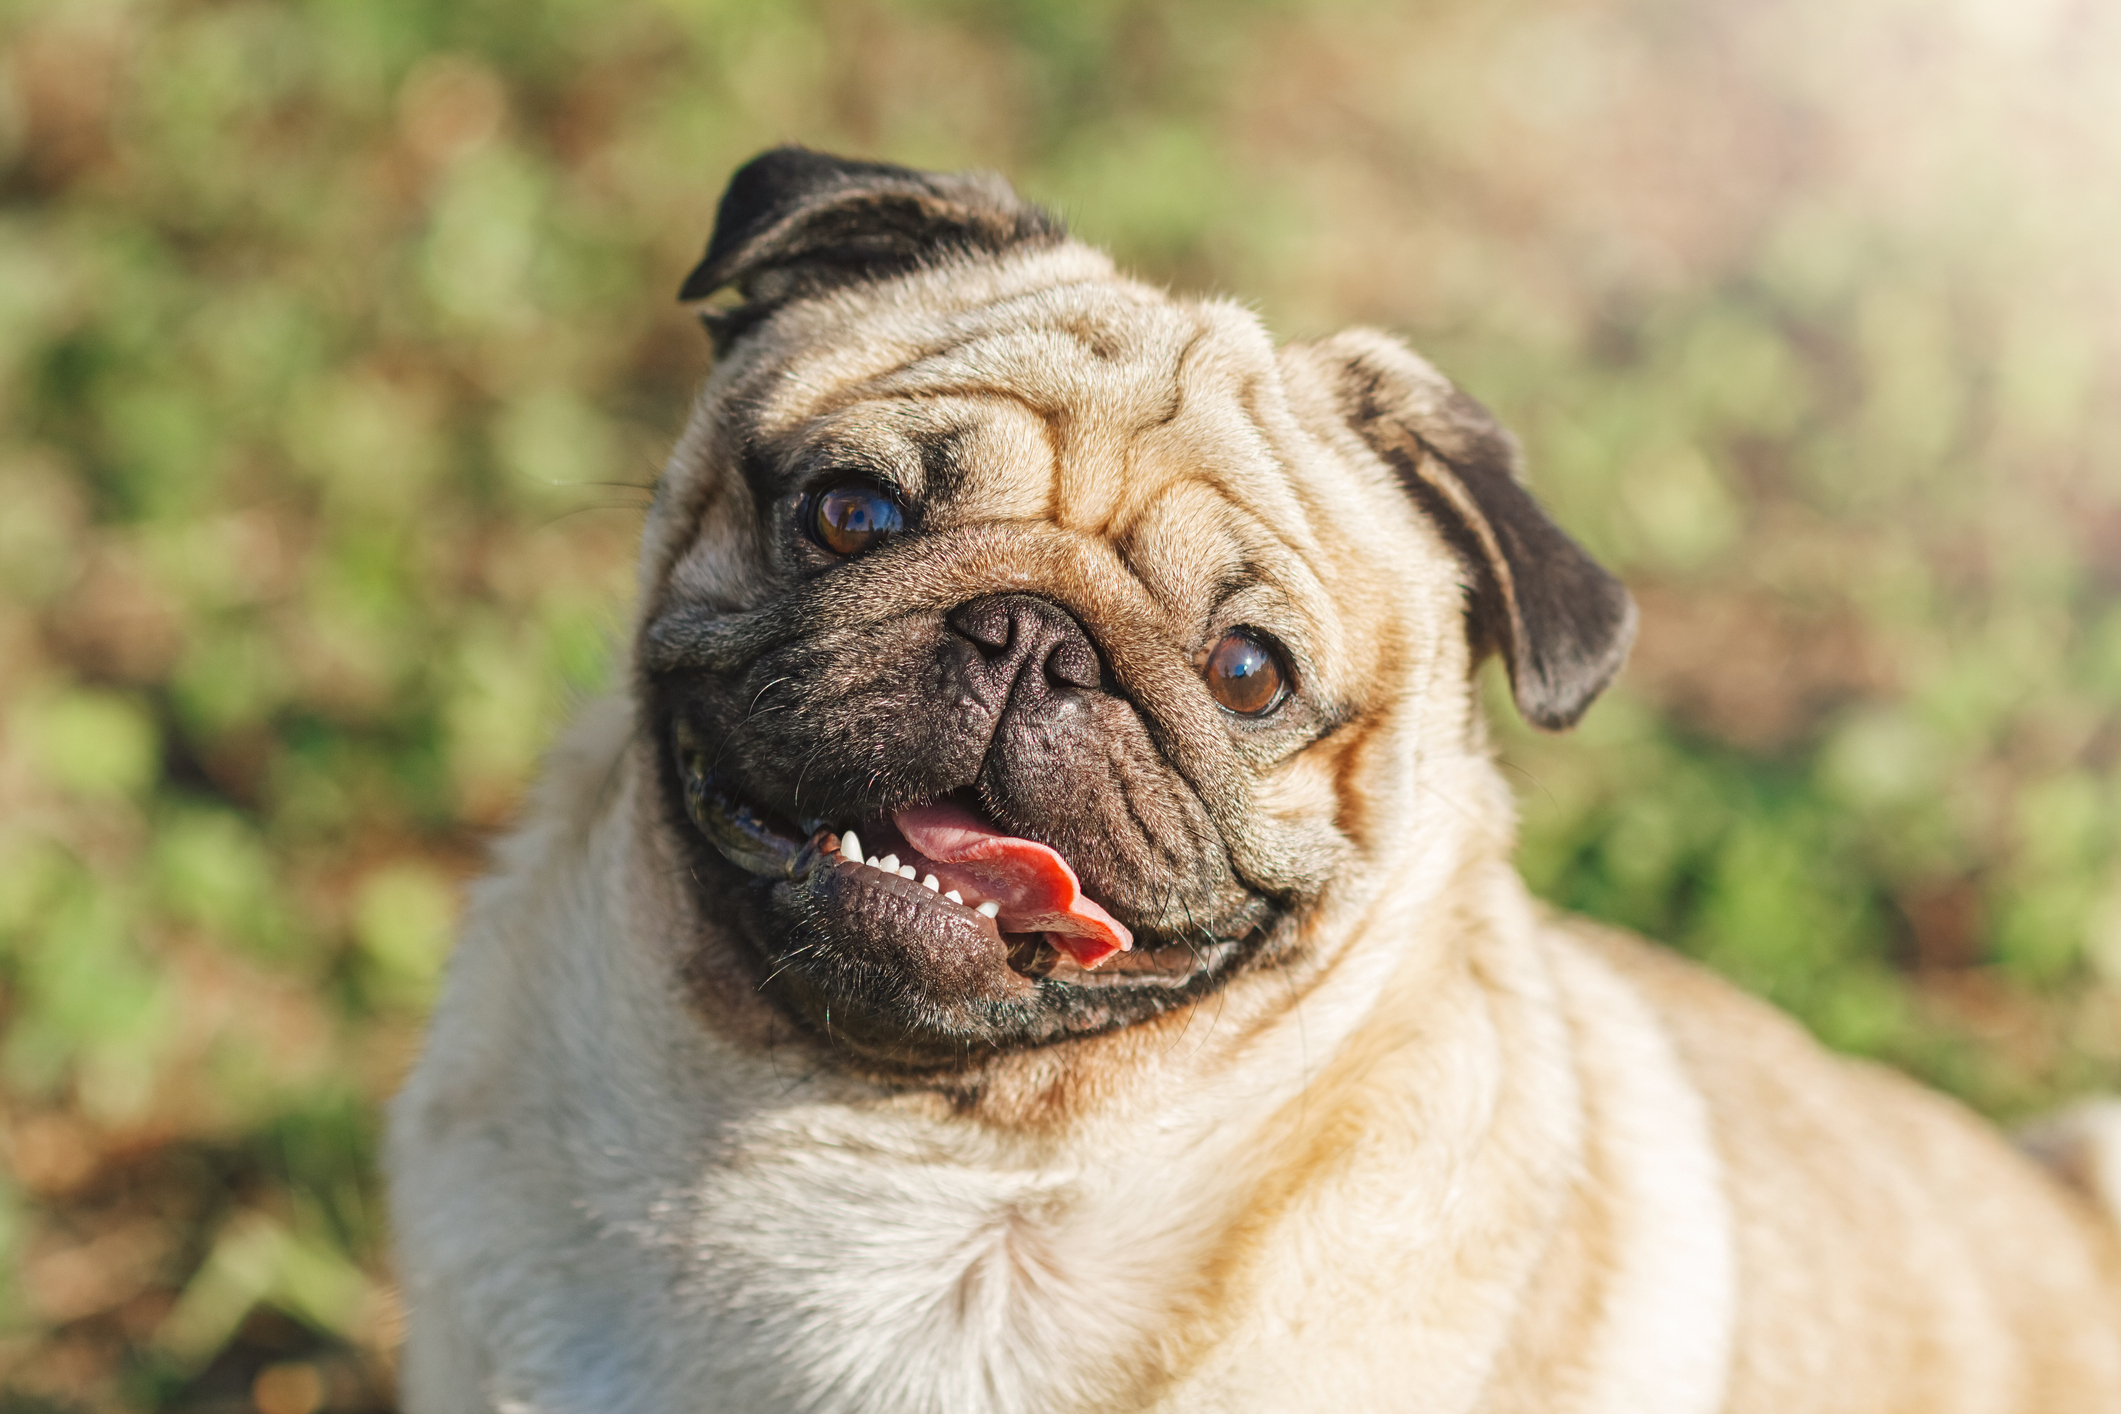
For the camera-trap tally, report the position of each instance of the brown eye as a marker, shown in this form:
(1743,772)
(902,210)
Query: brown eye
(849,519)
(1243,674)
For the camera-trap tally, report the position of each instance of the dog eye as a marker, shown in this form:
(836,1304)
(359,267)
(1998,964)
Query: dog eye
(1244,675)
(851,518)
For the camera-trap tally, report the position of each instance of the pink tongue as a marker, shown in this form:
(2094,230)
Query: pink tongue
(1037,890)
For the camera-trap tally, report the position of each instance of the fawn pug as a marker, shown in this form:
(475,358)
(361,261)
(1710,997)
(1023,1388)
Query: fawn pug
(1038,931)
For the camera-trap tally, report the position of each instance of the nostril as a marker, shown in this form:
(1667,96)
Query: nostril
(1072,663)
(1027,642)
(988,623)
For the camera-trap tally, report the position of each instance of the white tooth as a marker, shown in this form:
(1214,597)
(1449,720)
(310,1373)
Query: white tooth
(907,871)
(990,908)
(954,896)
(851,846)
(890,864)
(932,884)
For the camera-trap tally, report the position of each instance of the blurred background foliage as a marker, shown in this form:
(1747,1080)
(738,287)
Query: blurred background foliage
(338,343)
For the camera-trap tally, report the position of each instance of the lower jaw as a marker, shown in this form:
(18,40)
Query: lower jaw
(859,1017)
(747,842)
(830,977)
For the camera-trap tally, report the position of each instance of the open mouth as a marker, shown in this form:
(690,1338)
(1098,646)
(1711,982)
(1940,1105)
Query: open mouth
(941,855)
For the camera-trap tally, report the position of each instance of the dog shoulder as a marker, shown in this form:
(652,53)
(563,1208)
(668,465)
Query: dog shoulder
(508,925)
(495,1247)
(1877,1223)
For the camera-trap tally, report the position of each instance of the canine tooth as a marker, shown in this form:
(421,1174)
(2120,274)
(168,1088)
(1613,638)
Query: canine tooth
(907,871)
(954,896)
(932,884)
(890,864)
(990,908)
(851,846)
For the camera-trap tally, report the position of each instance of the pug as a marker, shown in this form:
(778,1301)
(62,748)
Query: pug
(1037,933)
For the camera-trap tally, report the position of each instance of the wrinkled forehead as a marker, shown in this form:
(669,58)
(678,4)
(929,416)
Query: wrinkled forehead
(1104,409)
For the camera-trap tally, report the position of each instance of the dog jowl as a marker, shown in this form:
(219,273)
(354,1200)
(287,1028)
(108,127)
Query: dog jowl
(986,617)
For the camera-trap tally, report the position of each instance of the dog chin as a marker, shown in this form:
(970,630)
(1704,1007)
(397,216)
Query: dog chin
(904,958)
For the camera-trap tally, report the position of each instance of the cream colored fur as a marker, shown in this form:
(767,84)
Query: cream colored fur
(1466,1156)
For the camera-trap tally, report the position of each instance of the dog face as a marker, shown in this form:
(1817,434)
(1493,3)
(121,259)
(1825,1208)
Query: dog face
(1126,640)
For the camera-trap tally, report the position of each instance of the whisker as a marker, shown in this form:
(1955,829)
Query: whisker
(808,762)
(787,962)
(574,511)
(1508,765)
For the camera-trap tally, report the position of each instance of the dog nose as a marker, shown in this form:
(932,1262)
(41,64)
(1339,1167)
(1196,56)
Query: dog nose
(1013,632)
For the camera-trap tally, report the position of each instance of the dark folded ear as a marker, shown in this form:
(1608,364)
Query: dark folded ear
(795,223)
(1561,622)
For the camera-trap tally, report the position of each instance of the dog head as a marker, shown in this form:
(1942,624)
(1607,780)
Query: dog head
(1047,592)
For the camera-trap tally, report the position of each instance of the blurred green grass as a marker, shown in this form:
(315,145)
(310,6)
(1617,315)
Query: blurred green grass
(337,347)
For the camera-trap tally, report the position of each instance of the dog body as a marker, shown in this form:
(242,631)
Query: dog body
(716,1117)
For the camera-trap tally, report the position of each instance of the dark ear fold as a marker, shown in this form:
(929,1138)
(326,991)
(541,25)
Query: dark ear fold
(794,223)
(1562,624)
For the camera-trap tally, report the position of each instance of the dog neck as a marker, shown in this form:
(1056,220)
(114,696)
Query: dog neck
(748,1198)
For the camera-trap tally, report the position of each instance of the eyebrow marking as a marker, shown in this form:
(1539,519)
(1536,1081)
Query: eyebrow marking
(1247,575)
(753,465)
(943,469)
